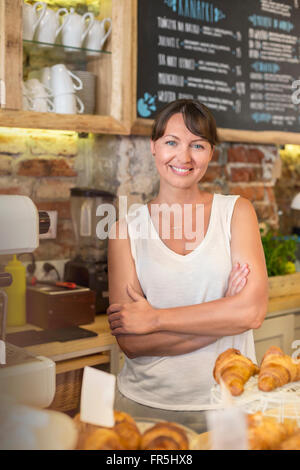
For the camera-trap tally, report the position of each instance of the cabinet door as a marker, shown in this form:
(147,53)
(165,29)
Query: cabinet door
(278,331)
(10,55)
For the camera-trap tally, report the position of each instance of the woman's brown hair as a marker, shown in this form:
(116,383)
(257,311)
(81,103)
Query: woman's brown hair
(197,117)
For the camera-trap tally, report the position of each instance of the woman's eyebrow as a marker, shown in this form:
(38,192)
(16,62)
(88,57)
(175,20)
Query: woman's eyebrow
(170,135)
(175,137)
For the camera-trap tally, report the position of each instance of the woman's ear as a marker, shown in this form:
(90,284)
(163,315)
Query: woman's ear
(212,152)
(152,147)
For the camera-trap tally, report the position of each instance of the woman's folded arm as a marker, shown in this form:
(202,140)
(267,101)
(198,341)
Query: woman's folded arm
(162,344)
(221,317)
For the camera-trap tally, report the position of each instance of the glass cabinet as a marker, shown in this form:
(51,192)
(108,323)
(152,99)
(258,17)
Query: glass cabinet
(66,64)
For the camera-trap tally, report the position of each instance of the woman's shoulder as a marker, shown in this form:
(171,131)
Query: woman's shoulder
(227,200)
(233,204)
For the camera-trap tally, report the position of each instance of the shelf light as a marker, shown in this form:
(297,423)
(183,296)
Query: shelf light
(16,131)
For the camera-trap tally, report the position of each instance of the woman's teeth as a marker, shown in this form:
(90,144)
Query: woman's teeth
(181,170)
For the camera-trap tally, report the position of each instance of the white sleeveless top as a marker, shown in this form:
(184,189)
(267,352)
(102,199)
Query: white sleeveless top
(182,382)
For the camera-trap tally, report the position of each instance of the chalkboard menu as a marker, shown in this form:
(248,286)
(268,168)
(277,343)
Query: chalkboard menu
(241,58)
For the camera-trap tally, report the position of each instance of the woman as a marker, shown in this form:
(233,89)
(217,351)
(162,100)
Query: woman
(176,305)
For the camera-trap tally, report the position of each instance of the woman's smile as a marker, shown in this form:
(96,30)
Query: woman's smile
(181,171)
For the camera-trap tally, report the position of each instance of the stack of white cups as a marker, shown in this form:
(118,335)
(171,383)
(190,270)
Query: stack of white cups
(63,84)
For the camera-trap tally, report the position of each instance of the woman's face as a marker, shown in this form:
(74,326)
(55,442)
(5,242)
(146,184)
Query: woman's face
(181,157)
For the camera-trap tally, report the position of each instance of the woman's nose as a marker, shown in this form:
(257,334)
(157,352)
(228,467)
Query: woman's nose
(184,155)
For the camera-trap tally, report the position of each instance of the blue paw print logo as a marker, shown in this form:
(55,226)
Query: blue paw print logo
(146,105)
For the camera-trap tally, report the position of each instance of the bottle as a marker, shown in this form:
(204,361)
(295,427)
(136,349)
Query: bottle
(16,293)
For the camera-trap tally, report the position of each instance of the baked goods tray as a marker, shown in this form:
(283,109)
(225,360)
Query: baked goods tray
(145,423)
(282,403)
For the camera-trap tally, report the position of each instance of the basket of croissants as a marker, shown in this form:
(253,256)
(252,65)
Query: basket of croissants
(277,370)
(127,434)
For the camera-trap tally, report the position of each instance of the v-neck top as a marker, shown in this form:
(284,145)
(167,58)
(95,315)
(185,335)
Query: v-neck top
(169,280)
(194,252)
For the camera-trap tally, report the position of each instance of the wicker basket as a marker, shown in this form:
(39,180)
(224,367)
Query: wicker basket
(68,390)
(289,284)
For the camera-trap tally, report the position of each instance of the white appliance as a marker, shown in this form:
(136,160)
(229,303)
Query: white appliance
(28,379)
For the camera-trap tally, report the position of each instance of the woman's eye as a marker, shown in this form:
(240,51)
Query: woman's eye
(171,143)
(198,146)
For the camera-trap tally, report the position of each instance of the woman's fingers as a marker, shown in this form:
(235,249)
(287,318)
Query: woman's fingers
(235,281)
(241,271)
(113,317)
(115,324)
(240,285)
(117,331)
(114,308)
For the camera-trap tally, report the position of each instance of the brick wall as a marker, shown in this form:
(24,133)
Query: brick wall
(45,168)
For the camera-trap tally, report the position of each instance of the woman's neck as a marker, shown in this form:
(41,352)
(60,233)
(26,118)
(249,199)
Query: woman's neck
(172,195)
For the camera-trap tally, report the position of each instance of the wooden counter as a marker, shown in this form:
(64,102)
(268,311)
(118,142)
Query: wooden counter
(71,357)
(106,344)
(281,327)
(64,353)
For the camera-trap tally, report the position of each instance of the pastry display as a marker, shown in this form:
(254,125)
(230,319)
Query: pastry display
(125,435)
(266,433)
(277,369)
(292,442)
(164,436)
(234,369)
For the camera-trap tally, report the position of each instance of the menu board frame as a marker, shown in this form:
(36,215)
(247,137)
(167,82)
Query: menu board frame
(141,126)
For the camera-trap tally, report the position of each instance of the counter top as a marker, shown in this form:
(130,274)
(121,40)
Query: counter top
(58,351)
(283,305)
(61,351)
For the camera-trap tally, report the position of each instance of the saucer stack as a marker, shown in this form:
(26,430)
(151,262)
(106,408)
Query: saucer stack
(88,92)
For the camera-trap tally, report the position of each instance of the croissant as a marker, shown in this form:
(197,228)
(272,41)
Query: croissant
(266,433)
(103,439)
(84,429)
(125,436)
(127,430)
(164,436)
(234,369)
(277,369)
(292,442)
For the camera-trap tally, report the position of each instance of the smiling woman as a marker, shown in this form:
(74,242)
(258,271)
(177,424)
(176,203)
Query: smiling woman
(187,302)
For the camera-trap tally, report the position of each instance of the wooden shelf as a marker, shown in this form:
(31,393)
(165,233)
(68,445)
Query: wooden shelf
(75,122)
(113,69)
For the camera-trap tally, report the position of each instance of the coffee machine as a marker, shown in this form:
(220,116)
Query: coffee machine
(89,266)
(24,377)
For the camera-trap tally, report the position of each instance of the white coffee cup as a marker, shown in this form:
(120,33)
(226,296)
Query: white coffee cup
(75,28)
(38,96)
(63,80)
(32,18)
(45,76)
(42,105)
(36,88)
(97,36)
(26,100)
(50,27)
(68,103)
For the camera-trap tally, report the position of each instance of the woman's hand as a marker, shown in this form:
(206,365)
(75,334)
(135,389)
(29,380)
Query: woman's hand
(237,279)
(138,317)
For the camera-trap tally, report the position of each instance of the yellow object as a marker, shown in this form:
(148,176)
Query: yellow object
(290,267)
(16,292)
